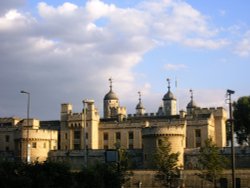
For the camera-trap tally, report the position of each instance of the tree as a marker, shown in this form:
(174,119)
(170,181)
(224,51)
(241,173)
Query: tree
(211,161)
(242,119)
(166,163)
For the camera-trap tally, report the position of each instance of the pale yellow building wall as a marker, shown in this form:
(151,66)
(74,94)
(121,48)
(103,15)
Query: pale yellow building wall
(174,132)
(220,128)
(7,143)
(20,135)
(124,128)
(41,142)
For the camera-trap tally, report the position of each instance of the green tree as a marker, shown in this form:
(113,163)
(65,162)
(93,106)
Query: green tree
(212,163)
(100,175)
(166,163)
(241,115)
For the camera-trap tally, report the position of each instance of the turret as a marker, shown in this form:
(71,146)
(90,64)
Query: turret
(140,110)
(110,103)
(169,102)
(66,109)
(191,105)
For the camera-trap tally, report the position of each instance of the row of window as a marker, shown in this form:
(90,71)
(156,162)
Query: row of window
(118,135)
(77,124)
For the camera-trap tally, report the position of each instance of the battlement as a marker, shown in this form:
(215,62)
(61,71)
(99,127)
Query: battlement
(167,129)
(219,111)
(75,117)
(9,121)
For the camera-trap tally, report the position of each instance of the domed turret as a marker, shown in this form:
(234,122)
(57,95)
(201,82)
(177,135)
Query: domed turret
(111,96)
(191,105)
(169,102)
(140,110)
(110,103)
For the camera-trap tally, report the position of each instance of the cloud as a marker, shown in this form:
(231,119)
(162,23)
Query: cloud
(10,4)
(174,21)
(243,46)
(206,43)
(204,98)
(174,67)
(68,52)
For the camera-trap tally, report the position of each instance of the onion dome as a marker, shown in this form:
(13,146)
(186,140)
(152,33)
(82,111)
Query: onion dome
(191,104)
(110,95)
(169,95)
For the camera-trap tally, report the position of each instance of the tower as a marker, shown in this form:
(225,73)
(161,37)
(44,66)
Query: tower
(140,110)
(169,102)
(110,103)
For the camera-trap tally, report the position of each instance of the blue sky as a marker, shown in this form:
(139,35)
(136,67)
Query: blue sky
(65,51)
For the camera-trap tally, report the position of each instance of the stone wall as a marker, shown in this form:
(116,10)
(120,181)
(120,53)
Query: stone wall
(190,179)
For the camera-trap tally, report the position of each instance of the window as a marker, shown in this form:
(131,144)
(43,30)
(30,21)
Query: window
(33,144)
(131,135)
(66,136)
(7,148)
(118,136)
(7,138)
(76,146)
(105,136)
(197,138)
(76,134)
(106,146)
(87,135)
(197,133)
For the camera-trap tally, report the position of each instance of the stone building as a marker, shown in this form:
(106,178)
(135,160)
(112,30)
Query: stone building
(143,131)
(26,140)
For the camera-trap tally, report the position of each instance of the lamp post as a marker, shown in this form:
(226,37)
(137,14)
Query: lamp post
(229,93)
(28,115)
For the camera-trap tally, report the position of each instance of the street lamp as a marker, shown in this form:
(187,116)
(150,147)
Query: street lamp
(230,121)
(28,114)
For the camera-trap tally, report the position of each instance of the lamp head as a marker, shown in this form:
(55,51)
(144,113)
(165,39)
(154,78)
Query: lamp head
(230,92)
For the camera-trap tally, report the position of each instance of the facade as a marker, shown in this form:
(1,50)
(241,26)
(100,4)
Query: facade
(26,141)
(141,131)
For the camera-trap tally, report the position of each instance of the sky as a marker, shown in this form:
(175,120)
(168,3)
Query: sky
(66,51)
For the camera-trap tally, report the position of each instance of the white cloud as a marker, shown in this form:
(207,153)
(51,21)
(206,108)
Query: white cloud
(206,43)
(243,47)
(63,55)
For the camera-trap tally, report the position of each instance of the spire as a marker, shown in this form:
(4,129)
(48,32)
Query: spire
(191,104)
(140,110)
(168,80)
(192,94)
(139,105)
(110,83)
(139,93)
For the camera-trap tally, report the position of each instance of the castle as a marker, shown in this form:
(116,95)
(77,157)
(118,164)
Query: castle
(141,131)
